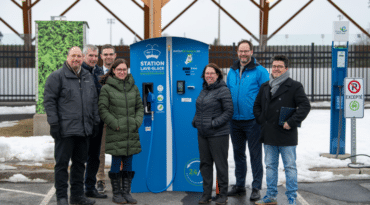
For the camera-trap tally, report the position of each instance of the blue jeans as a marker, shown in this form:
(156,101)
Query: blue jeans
(241,132)
(288,154)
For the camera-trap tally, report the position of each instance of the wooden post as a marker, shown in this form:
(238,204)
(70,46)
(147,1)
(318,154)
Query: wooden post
(27,23)
(155,16)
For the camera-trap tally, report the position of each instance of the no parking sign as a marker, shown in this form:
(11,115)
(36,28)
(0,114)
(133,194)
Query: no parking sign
(354,98)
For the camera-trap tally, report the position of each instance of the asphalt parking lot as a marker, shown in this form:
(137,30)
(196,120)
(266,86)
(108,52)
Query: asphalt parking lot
(344,192)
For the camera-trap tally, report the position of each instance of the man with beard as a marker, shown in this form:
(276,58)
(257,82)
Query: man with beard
(71,106)
(280,138)
(244,80)
(108,56)
(92,165)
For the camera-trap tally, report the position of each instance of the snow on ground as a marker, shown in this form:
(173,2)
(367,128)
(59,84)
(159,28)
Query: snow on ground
(313,140)
(8,123)
(22,178)
(18,110)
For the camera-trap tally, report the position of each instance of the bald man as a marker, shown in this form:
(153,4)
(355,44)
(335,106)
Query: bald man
(71,105)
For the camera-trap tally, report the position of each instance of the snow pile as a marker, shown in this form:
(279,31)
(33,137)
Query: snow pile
(8,123)
(22,178)
(27,148)
(18,110)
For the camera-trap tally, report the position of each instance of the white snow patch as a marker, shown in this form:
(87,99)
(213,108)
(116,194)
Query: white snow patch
(7,167)
(8,123)
(18,110)
(22,178)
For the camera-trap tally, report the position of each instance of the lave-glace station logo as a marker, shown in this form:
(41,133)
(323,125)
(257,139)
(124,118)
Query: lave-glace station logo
(152,67)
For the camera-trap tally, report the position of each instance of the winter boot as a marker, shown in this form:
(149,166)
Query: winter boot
(127,177)
(115,179)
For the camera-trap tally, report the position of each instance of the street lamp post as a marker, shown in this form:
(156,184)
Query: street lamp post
(110,21)
(1,37)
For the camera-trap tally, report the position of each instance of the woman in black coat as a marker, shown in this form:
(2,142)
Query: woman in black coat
(214,110)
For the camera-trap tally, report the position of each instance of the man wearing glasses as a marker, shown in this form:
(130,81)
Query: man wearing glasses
(280,138)
(108,56)
(73,116)
(244,81)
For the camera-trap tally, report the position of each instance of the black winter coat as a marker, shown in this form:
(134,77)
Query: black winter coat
(214,110)
(71,102)
(267,110)
(97,73)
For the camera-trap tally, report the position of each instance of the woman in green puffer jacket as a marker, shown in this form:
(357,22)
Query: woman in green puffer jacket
(121,109)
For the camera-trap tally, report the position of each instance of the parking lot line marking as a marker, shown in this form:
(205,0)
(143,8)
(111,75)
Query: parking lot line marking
(48,196)
(23,192)
(299,198)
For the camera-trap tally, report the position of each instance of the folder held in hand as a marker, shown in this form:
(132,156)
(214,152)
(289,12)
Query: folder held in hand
(285,114)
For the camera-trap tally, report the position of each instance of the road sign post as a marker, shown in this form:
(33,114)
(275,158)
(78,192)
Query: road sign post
(353,107)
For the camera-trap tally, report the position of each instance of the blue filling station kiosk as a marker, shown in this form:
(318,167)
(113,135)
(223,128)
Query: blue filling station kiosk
(168,71)
(339,73)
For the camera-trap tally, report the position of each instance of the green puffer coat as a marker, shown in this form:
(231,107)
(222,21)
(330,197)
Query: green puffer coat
(120,106)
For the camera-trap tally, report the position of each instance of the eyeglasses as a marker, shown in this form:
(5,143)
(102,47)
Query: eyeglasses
(108,54)
(121,70)
(246,51)
(278,66)
(210,73)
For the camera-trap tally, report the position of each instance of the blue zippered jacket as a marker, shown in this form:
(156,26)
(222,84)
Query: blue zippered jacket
(245,89)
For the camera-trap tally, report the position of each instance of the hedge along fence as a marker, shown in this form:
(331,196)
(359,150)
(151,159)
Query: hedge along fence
(54,39)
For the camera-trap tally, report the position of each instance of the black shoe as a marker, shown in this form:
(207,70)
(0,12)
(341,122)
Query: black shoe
(205,199)
(95,194)
(255,195)
(237,191)
(62,201)
(214,198)
(81,200)
(100,187)
(221,200)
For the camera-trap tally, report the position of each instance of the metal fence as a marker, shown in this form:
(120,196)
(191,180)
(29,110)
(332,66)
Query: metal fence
(17,73)
(311,65)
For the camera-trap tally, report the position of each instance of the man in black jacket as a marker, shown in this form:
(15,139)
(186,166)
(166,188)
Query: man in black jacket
(280,91)
(91,53)
(71,105)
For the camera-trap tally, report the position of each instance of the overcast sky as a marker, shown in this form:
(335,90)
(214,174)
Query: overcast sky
(200,22)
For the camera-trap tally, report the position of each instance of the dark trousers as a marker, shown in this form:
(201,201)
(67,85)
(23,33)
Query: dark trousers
(93,161)
(116,163)
(241,132)
(214,149)
(75,149)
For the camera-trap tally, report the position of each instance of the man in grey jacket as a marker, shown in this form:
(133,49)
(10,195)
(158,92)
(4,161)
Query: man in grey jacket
(70,101)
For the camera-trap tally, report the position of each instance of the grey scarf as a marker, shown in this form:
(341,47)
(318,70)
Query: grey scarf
(276,82)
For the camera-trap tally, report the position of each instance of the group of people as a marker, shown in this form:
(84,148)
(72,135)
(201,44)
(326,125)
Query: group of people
(248,107)
(93,111)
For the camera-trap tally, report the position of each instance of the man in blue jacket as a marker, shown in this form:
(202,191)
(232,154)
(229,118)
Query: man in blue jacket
(91,53)
(244,81)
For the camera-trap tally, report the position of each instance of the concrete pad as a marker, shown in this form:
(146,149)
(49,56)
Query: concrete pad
(40,125)
(365,171)
(340,156)
(337,171)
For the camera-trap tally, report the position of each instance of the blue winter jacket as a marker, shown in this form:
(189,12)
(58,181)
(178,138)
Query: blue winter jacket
(97,72)
(245,89)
